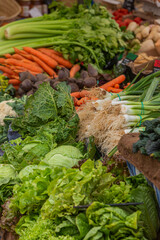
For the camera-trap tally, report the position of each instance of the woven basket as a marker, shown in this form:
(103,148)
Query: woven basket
(9,9)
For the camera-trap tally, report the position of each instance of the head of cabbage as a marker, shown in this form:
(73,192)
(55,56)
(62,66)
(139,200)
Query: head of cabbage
(63,156)
(7,173)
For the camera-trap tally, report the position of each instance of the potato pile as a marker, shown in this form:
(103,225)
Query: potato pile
(149,39)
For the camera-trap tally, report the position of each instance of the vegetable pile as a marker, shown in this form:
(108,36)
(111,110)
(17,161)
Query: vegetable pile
(148,37)
(149,143)
(120,13)
(89,36)
(118,113)
(54,175)
(44,203)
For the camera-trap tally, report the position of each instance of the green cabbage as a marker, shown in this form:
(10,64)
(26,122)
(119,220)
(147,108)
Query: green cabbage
(63,156)
(7,173)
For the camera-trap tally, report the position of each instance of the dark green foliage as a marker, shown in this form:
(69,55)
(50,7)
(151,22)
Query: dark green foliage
(149,143)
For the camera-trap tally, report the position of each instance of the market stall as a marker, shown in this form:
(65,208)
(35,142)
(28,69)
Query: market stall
(79,121)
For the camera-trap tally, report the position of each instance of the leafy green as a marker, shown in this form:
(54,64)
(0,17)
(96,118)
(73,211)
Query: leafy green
(149,213)
(113,223)
(7,181)
(7,172)
(30,195)
(97,37)
(63,156)
(28,151)
(149,143)
(48,109)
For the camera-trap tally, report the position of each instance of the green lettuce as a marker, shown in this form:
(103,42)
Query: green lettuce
(31,193)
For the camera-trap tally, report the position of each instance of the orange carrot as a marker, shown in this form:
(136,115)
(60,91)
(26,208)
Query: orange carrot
(76,68)
(128,83)
(76,107)
(116,85)
(2,60)
(114,90)
(45,67)
(14,82)
(6,75)
(82,100)
(59,59)
(20,57)
(94,98)
(6,70)
(48,50)
(17,56)
(118,80)
(76,94)
(46,59)
(28,66)
(15,76)
(8,55)
(18,51)
(84,93)
(75,100)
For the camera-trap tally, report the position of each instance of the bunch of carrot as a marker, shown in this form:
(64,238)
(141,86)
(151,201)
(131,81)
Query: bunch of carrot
(35,61)
(114,85)
(81,98)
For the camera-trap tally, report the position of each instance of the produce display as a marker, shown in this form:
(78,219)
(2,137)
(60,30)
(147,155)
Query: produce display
(89,36)
(70,89)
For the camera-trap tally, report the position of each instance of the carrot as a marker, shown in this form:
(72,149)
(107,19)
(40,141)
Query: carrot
(6,70)
(75,100)
(116,85)
(74,70)
(8,55)
(117,80)
(48,50)
(84,93)
(45,67)
(114,90)
(76,94)
(28,66)
(14,82)
(15,76)
(18,51)
(46,59)
(6,75)
(128,83)
(82,100)
(59,59)
(94,98)
(17,56)
(2,60)
(77,107)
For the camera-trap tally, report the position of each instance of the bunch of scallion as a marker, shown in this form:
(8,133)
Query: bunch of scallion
(138,103)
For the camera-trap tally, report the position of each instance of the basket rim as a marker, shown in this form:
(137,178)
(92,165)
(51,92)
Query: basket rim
(16,13)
